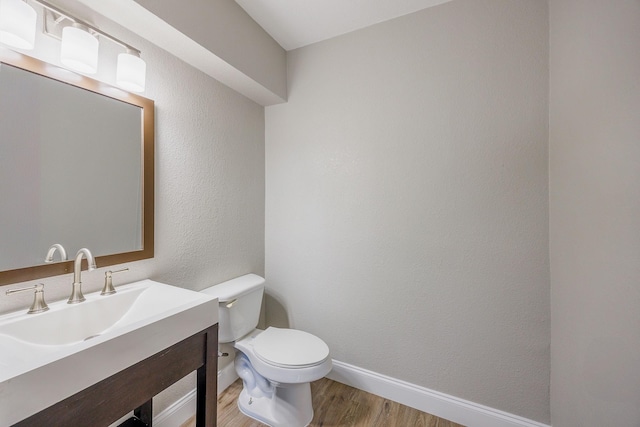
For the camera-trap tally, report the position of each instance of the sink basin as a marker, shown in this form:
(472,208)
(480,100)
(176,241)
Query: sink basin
(47,357)
(66,324)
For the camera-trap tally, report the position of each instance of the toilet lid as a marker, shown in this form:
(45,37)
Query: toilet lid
(290,347)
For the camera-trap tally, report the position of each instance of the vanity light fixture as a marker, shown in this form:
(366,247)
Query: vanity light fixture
(80,41)
(131,71)
(79,49)
(17,24)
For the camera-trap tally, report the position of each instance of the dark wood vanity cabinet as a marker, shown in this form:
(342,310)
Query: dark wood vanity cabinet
(134,387)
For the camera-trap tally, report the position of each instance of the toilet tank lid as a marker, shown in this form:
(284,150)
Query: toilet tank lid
(235,288)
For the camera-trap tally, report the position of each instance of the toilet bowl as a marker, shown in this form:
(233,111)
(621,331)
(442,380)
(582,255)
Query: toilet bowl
(276,365)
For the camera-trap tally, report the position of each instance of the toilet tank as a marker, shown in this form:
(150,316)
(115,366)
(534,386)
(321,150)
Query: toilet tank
(239,303)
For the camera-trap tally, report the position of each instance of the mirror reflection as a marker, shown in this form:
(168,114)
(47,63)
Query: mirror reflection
(72,172)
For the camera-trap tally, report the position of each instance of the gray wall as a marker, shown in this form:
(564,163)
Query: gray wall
(209,210)
(406,200)
(594,212)
(224,28)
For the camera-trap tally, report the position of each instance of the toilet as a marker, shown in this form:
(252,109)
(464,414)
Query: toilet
(276,365)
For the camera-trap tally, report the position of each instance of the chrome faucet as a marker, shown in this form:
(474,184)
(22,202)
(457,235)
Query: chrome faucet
(76,290)
(52,250)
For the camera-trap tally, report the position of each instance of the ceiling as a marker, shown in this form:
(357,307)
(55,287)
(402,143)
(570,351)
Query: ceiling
(297,23)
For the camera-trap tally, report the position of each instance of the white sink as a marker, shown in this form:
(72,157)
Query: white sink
(66,324)
(47,357)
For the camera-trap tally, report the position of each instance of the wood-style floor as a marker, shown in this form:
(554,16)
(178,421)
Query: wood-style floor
(334,405)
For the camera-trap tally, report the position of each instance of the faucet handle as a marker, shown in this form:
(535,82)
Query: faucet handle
(38,305)
(108,288)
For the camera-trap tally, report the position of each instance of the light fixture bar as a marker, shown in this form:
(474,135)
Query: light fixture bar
(72,18)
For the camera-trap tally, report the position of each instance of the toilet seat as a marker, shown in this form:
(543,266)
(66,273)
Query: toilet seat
(315,364)
(290,348)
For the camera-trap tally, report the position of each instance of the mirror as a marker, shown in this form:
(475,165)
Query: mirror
(76,169)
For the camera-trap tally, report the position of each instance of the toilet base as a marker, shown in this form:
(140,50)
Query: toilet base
(289,406)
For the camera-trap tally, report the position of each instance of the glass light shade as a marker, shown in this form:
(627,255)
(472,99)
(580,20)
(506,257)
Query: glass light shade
(17,24)
(79,50)
(131,72)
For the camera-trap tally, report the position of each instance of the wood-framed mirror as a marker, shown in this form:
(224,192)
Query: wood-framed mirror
(76,169)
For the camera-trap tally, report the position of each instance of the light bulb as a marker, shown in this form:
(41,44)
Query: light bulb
(131,71)
(17,24)
(79,50)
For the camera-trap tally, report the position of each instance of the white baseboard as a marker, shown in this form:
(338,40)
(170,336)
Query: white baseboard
(185,407)
(445,406)
(226,377)
(176,414)
(442,405)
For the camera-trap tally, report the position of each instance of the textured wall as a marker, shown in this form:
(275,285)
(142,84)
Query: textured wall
(209,212)
(406,201)
(594,212)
